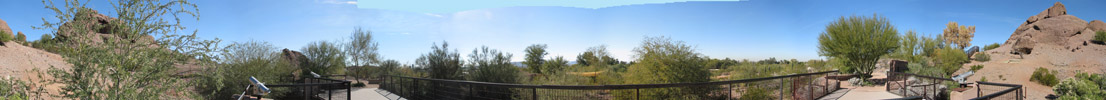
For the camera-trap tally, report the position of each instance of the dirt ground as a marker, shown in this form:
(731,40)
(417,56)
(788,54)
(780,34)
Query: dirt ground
(1014,69)
(25,63)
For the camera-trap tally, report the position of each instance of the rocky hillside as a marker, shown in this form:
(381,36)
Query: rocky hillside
(1052,39)
(20,62)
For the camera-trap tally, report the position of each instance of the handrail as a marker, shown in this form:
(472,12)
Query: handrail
(1013,87)
(627,86)
(924,76)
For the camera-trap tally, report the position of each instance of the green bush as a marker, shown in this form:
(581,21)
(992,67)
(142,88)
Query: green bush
(1083,86)
(1100,36)
(990,46)
(982,57)
(976,67)
(5,36)
(861,40)
(950,59)
(358,84)
(983,79)
(1044,77)
(661,60)
(754,93)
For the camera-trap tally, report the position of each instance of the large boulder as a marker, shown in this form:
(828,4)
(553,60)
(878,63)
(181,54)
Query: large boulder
(293,57)
(1051,27)
(92,28)
(1096,25)
(4,27)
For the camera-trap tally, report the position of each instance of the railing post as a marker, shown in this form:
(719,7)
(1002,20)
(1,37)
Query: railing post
(781,89)
(729,91)
(534,92)
(978,90)
(637,93)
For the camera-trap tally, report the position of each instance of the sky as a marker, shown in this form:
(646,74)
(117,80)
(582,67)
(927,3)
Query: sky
(748,29)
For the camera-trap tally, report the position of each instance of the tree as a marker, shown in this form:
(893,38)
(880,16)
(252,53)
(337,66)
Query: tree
(554,65)
(490,65)
(959,35)
(534,55)
(860,40)
(361,48)
(662,60)
(441,63)
(241,60)
(389,66)
(324,58)
(5,36)
(596,56)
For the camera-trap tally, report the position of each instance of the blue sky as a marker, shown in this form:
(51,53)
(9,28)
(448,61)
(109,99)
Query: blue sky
(754,29)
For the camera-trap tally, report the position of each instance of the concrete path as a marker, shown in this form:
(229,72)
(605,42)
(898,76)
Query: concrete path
(868,93)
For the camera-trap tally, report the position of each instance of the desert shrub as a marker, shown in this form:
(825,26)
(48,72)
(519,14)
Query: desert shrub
(358,84)
(555,65)
(976,67)
(441,63)
(5,36)
(11,89)
(990,46)
(662,60)
(1044,77)
(325,58)
(982,57)
(983,79)
(950,59)
(860,40)
(534,58)
(1083,86)
(1100,36)
(755,93)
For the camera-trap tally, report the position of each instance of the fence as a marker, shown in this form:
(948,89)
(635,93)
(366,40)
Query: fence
(1003,94)
(930,88)
(807,86)
(309,87)
(914,85)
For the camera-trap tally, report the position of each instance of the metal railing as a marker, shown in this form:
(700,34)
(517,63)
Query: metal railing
(914,85)
(309,87)
(1019,92)
(806,86)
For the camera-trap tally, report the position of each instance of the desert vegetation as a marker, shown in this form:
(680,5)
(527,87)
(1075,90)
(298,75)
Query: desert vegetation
(1084,86)
(1044,76)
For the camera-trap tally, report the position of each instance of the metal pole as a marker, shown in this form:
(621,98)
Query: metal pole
(349,91)
(637,94)
(534,92)
(729,91)
(781,89)
(978,90)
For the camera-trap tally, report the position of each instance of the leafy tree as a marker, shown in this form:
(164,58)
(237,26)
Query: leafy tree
(950,59)
(930,45)
(555,65)
(959,35)
(389,66)
(490,65)
(441,63)
(990,46)
(597,55)
(534,55)
(324,58)
(909,47)
(241,60)
(661,60)
(860,40)
(361,48)
(114,70)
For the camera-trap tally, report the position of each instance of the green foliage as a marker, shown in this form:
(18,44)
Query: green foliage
(21,37)
(976,67)
(910,48)
(325,58)
(1083,86)
(358,85)
(241,61)
(11,89)
(982,57)
(990,46)
(921,69)
(441,63)
(490,65)
(361,49)
(388,67)
(5,36)
(950,59)
(859,40)
(1044,77)
(596,57)
(555,65)
(755,93)
(983,79)
(1100,36)
(661,60)
(534,55)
